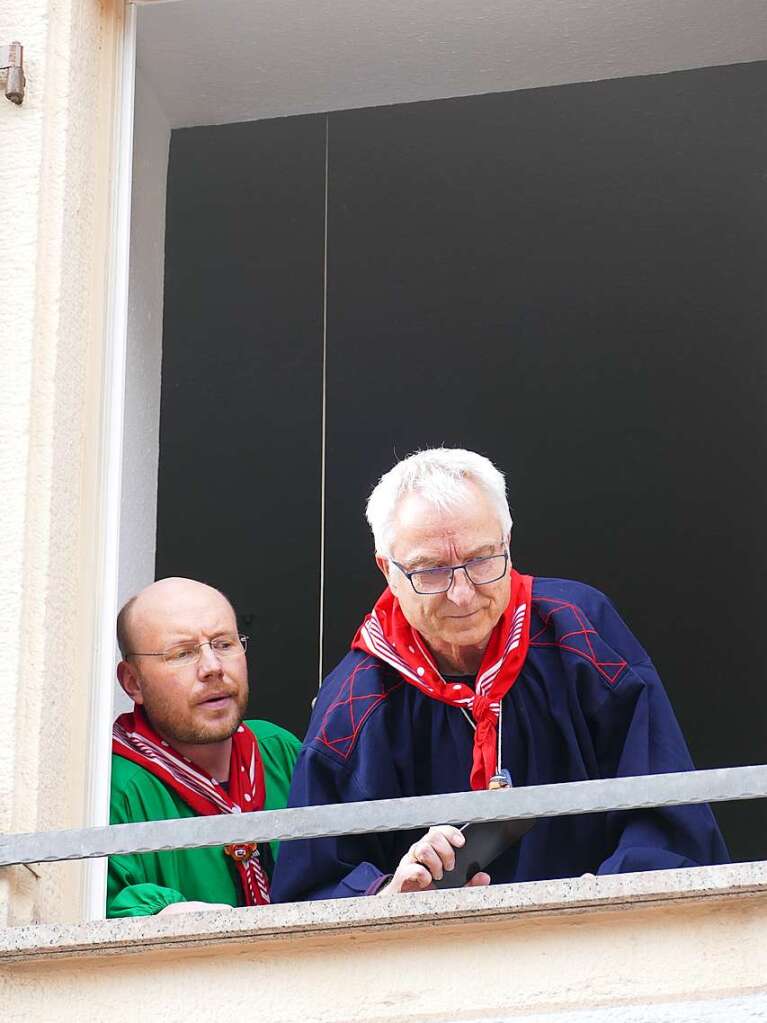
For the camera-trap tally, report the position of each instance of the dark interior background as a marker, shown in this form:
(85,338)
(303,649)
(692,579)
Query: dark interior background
(240,447)
(570,280)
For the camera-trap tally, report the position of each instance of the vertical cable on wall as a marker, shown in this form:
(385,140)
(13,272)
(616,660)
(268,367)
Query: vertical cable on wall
(324,410)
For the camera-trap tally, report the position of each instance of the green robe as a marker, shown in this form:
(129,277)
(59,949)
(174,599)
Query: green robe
(144,883)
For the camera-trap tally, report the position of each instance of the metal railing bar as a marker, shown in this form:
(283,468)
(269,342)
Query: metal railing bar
(378,815)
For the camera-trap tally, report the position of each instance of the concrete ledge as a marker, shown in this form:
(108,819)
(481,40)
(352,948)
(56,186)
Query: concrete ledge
(672,946)
(573,895)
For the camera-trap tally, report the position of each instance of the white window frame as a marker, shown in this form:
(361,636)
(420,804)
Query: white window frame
(111,461)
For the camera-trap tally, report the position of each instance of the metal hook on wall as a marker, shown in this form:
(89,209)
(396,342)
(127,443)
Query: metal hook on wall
(12,61)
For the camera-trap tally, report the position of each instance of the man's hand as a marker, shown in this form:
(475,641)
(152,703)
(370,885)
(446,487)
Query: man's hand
(192,907)
(428,859)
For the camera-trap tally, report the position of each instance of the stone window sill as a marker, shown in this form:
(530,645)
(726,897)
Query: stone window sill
(573,895)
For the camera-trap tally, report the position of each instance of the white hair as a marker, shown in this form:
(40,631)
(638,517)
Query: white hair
(439,475)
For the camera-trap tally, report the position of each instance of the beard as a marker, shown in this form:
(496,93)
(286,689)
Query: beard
(188,727)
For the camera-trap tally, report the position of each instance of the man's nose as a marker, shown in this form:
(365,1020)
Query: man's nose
(461,591)
(209,662)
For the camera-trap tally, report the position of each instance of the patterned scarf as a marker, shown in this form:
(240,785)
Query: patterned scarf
(134,739)
(387,635)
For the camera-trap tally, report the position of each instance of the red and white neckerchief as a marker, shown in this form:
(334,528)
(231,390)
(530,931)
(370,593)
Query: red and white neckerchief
(134,739)
(387,635)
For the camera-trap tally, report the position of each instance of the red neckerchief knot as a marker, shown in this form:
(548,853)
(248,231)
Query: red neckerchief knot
(134,739)
(388,635)
(485,740)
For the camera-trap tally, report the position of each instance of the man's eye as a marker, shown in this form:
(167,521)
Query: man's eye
(223,644)
(182,654)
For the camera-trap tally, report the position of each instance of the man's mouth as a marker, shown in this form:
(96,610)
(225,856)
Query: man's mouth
(469,614)
(215,701)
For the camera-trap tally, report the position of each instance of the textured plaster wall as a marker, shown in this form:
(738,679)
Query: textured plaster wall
(19,206)
(141,439)
(54,207)
(633,962)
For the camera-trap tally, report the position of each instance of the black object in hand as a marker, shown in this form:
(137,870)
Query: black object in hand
(485,842)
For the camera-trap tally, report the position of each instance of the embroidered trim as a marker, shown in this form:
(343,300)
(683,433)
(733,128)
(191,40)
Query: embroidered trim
(609,670)
(343,745)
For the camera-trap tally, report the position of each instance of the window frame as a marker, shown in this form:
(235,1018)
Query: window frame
(110,469)
(107,558)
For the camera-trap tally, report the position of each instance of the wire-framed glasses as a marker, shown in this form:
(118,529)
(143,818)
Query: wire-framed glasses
(479,571)
(189,653)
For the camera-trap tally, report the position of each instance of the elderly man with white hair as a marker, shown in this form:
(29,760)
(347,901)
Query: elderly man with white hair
(467,674)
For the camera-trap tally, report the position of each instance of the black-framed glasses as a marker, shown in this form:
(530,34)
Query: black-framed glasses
(189,653)
(479,571)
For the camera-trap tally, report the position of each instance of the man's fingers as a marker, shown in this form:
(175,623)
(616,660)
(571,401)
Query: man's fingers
(415,878)
(424,852)
(478,881)
(427,860)
(409,877)
(454,835)
(441,845)
(436,850)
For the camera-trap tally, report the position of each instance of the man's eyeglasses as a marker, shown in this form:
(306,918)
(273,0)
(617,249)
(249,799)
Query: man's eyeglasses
(189,653)
(480,571)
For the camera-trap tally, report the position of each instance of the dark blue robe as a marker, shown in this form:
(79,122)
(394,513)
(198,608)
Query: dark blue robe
(588,703)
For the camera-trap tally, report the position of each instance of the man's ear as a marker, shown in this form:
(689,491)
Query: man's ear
(383,564)
(128,678)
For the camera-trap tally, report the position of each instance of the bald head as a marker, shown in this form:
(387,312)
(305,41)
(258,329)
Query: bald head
(156,610)
(184,663)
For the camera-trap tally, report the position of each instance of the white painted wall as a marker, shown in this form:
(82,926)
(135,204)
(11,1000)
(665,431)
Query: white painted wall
(55,195)
(144,354)
(22,131)
(674,946)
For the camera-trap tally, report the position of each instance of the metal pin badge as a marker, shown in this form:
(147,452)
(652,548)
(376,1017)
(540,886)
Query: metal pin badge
(241,852)
(501,780)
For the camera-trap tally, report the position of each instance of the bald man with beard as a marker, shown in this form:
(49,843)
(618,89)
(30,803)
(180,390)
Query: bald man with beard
(185,751)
